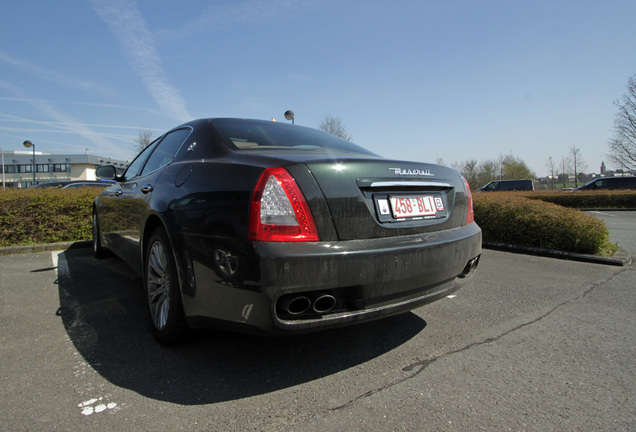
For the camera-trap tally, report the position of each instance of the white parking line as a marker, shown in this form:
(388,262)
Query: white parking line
(602,213)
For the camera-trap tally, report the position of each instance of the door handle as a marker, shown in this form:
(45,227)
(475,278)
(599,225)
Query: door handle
(147,188)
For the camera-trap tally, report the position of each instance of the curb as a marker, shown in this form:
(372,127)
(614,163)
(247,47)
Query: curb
(622,258)
(605,209)
(13,250)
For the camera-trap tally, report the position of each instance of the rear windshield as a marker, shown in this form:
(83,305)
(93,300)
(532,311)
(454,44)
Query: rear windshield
(241,135)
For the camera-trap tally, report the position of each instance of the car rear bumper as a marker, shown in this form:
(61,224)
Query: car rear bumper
(367,279)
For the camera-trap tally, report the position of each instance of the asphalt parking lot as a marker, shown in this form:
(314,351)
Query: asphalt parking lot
(532,343)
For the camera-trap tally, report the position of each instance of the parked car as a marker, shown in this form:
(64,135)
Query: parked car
(73,184)
(265,227)
(609,183)
(508,185)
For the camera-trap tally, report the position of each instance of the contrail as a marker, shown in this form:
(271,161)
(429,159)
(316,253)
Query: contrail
(129,28)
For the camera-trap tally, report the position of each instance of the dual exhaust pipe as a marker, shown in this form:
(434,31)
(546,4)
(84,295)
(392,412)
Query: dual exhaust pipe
(319,302)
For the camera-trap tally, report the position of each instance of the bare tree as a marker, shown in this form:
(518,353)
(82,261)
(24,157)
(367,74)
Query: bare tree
(143,140)
(335,126)
(623,145)
(565,169)
(487,171)
(552,170)
(507,168)
(469,170)
(577,164)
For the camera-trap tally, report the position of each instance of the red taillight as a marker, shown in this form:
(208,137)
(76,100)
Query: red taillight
(279,211)
(470,217)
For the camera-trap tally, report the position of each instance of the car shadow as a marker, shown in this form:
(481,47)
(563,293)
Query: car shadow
(103,311)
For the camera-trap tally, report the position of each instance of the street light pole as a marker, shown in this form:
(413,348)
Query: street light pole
(289,115)
(28,144)
(2,150)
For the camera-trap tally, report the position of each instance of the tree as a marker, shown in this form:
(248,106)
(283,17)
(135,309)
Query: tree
(143,140)
(469,170)
(507,168)
(513,168)
(335,126)
(565,166)
(487,171)
(577,164)
(623,145)
(552,170)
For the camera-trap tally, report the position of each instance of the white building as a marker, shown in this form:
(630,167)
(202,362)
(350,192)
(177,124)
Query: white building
(18,167)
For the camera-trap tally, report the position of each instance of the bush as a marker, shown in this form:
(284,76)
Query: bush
(33,216)
(586,199)
(514,219)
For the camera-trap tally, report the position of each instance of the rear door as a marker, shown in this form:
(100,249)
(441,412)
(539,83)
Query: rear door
(130,204)
(115,211)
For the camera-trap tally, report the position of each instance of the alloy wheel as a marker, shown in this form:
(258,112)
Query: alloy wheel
(158,285)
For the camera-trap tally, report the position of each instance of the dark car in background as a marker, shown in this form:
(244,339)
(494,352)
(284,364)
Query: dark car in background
(608,183)
(264,227)
(508,185)
(74,184)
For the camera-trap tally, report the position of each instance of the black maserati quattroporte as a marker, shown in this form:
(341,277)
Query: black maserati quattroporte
(264,227)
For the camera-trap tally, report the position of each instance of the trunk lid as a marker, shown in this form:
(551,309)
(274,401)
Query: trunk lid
(373,197)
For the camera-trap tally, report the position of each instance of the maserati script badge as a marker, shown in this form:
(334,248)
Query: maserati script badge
(411,172)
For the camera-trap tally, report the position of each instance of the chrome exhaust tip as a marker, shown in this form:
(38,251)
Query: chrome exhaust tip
(295,305)
(323,303)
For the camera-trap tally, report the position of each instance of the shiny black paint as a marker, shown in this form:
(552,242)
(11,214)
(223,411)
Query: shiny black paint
(373,268)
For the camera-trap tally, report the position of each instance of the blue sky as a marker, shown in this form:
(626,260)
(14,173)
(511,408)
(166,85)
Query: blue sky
(413,80)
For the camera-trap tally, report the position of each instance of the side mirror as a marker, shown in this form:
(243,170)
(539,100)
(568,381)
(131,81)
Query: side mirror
(107,172)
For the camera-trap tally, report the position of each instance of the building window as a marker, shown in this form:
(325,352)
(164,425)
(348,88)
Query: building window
(59,168)
(24,168)
(43,168)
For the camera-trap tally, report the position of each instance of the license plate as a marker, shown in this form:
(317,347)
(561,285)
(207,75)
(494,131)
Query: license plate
(415,206)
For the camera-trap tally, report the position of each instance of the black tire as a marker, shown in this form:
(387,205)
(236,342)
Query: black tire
(163,295)
(99,251)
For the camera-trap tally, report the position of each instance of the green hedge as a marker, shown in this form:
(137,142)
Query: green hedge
(586,200)
(513,219)
(34,216)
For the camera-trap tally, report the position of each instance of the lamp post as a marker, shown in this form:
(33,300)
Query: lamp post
(29,144)
(2,150)
(289,115)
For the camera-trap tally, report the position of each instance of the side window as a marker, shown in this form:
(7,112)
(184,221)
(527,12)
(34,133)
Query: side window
(166,150)
(135,167)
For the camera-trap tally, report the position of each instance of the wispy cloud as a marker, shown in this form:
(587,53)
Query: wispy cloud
(90,104)
(218,17)
(51,75)
(62,121)
(10,118)
(129,28)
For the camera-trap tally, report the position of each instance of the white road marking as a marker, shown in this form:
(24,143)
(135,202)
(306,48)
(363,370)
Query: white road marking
(88,407)
(82,371)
